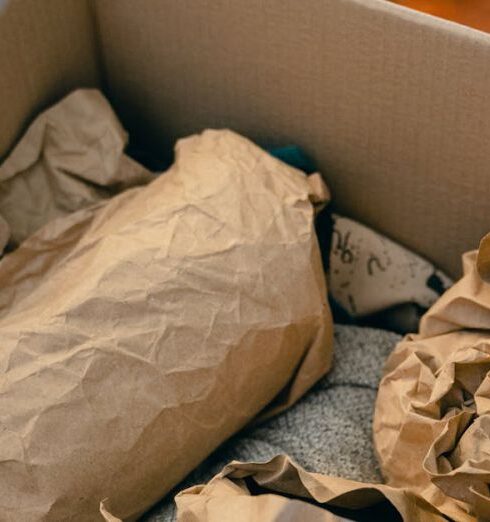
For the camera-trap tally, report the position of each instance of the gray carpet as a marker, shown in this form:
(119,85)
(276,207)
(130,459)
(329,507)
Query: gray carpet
(328,431)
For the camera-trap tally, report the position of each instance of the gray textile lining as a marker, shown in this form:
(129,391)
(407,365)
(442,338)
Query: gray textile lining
(328,431)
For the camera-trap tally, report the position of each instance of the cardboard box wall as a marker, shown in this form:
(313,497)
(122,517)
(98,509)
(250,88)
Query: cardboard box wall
(393,104)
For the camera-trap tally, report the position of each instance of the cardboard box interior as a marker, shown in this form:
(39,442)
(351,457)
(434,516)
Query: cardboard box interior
(392,104)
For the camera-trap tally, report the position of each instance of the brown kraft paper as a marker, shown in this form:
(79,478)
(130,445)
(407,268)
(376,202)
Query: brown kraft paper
(281,490)
(138,334)
(431,433)
(432,421)
(71,157)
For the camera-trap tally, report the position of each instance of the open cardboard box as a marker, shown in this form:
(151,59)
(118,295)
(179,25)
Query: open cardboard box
(392,104)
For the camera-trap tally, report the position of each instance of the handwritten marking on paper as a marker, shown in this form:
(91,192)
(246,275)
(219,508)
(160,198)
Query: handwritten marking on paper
(372,262)
(342,245)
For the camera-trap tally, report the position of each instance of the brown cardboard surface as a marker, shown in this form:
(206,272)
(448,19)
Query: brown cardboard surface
(393,104)
(46,49)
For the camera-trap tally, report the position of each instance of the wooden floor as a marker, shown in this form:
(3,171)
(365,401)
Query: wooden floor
(473,13)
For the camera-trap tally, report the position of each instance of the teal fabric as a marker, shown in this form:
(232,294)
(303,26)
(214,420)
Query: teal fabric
(294,156)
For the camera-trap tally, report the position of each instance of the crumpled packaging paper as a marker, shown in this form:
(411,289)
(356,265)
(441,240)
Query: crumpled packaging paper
(432,421)
(319,192)
(483,260)
(431,433)
(280,490)
(71,157)
(138,334)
